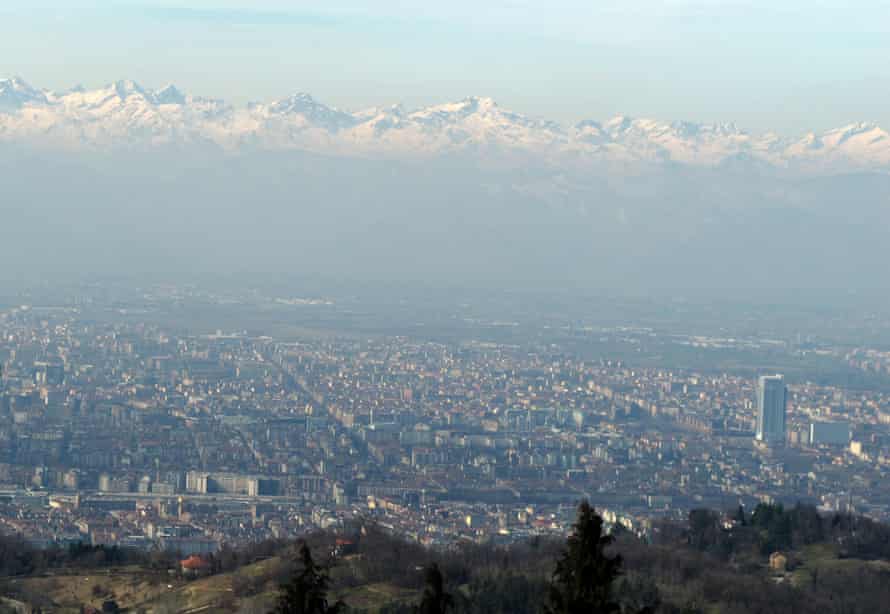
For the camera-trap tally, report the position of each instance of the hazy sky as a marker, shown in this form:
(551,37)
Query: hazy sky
(789,66)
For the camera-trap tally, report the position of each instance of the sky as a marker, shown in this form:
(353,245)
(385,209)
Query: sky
(789,66)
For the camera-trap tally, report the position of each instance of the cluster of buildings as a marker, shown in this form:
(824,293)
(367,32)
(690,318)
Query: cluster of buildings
(117,430)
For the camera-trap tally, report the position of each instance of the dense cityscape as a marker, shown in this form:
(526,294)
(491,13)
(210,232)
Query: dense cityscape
(126,427)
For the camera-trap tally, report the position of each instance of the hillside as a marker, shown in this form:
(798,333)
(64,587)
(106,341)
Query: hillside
(719,563)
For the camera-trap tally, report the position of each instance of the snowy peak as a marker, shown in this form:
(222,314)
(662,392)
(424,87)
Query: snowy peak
(467,106)
(18,85)
(16,93)
(865,143)
(300,102)
(863,133)
(591,132)
(305,106)
(474,109)
(126,88)
(169,94)
(122,92)
(127,114)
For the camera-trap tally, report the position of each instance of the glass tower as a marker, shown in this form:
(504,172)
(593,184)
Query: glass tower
(771,400)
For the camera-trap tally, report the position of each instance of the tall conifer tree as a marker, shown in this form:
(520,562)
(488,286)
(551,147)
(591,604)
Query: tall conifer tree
(306,592)
(582,582)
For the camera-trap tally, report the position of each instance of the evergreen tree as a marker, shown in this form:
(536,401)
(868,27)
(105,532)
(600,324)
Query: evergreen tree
(435,600)
(582,582)
(306,592)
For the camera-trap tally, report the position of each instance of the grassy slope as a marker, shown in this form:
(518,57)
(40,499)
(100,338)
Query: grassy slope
(138,590)
(67,592)
(821,559)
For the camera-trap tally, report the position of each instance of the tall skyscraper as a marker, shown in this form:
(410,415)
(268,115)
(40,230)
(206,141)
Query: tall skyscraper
(771,399)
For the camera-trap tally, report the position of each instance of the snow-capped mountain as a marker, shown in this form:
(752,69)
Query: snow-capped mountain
(124,114)
(15,93)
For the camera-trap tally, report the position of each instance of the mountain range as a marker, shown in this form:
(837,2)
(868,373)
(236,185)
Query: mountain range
(127,115)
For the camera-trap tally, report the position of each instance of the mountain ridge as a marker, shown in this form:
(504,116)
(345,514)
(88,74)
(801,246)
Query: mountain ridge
(125,114)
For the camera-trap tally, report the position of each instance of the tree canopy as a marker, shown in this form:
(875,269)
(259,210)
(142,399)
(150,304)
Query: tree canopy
(306,591)
(582,582)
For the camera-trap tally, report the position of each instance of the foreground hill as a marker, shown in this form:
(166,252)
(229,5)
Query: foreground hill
(772,560)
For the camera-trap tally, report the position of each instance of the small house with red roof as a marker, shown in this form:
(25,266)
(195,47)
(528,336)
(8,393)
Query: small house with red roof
(195,566)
